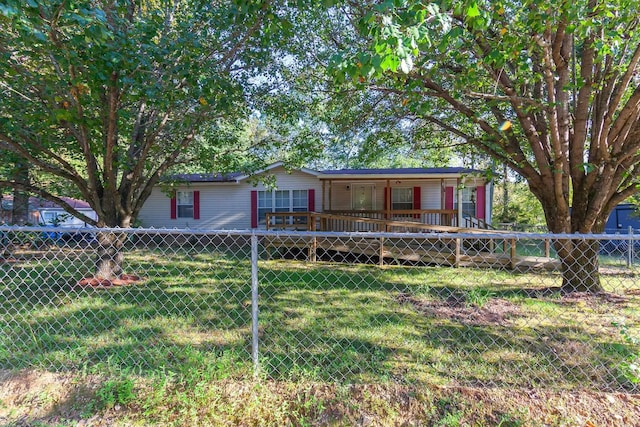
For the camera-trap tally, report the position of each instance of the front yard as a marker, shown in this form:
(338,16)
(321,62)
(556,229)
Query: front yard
(432,337)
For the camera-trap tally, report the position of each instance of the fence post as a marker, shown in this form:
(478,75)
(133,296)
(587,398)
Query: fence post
(254,303)
(313,249)
(630,248)
(547,248)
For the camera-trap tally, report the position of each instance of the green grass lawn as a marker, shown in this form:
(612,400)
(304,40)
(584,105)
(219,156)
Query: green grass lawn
(190,320)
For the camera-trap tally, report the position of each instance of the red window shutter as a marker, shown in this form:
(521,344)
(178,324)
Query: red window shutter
(254,209)
(417,202)
(174,206)
(196,205)
(481,197)
(448,198)
(311,199)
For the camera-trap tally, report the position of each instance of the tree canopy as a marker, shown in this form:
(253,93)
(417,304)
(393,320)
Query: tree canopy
(109,95)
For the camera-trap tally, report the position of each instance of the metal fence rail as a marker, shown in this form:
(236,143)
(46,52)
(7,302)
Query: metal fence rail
(475,309)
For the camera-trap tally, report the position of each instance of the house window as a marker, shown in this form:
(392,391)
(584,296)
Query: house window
(402,198)
(362,197)
(265,204)
(49,218)
(468,202)
(184,202)
(281,201)
(300,199)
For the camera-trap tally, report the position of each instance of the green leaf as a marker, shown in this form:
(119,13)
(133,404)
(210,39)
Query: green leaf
(473,11)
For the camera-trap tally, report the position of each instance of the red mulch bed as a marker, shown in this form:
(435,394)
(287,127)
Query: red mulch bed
(100,283)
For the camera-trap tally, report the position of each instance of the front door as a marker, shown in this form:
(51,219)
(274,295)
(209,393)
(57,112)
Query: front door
(362,197)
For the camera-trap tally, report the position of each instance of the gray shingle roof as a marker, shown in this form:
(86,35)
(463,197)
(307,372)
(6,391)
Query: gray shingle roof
(232,177)
(204,177)
(401,171)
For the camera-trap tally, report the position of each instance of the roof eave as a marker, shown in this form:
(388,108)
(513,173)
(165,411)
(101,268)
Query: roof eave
(397,176)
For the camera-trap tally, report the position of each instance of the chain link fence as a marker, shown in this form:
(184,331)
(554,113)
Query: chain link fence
(467,309)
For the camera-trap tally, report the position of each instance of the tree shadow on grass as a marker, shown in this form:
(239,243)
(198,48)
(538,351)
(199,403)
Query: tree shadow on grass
(140,328)
(514,350)
(325,321)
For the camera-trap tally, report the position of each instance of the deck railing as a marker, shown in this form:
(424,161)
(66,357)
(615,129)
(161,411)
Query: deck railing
(448,217)
(404,222)
(473,222)
(375,220)
(297,221)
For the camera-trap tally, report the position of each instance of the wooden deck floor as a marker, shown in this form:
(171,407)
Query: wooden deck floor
(449,252)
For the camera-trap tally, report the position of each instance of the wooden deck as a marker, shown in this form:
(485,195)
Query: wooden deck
(455,252)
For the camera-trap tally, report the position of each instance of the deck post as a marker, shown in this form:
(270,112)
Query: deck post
(547,248)
(459,207)
(313,249)
(512,257)
(267,244)
(442,199)
(387,202)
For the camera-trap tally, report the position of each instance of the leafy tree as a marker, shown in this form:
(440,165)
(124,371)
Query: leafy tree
(522,208)
(108,95)
(549,88)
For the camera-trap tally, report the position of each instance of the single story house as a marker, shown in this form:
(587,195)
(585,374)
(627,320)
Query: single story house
(46,213)
(444,196)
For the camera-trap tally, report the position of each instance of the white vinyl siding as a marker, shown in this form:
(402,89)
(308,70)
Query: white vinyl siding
(224,205)
(431,195)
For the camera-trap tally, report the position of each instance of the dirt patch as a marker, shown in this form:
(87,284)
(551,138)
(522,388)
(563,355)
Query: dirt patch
(496,311)
(100,283)
(594,299)
(31,395)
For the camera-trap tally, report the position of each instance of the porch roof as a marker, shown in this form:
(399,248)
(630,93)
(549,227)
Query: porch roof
(446,172)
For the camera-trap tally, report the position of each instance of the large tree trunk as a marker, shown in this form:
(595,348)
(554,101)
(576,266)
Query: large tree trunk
(579,257)
(109,256)
(580,263)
